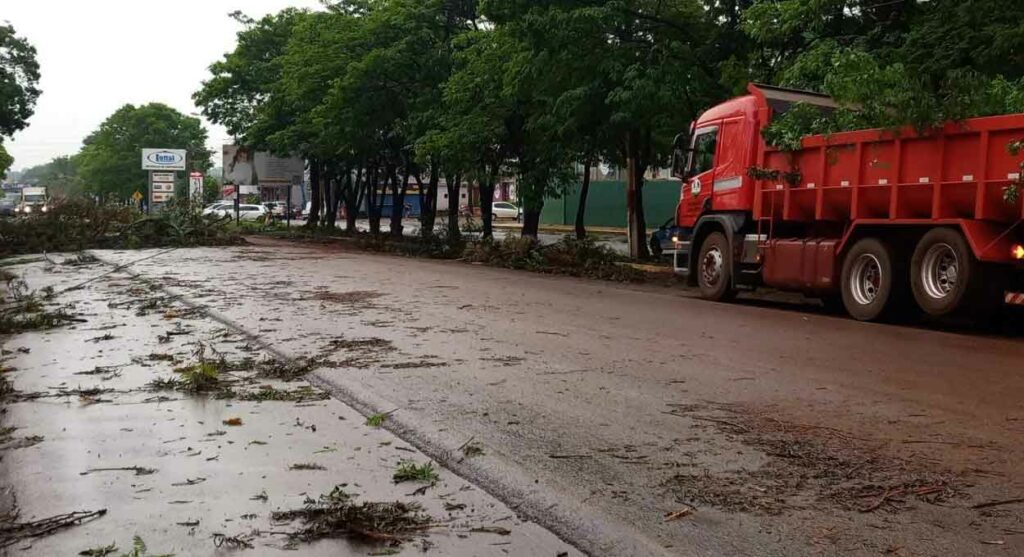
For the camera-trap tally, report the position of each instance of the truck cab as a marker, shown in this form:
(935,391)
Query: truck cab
(32,200)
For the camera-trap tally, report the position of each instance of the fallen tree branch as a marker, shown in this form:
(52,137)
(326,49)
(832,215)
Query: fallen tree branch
(11,533)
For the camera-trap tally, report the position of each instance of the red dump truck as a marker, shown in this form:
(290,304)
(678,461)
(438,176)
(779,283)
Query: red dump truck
(875,220)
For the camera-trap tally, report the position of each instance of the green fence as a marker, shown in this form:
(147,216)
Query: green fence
(606,204)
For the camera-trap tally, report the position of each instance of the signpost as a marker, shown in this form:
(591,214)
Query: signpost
(162,164)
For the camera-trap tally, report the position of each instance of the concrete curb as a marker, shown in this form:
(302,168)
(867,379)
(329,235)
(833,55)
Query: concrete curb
(590,531)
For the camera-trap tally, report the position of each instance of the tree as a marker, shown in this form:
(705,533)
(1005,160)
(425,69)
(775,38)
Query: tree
(60,175)
(19,79)
(637,61)
(109,163)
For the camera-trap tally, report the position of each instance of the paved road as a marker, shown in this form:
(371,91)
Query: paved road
(602,408)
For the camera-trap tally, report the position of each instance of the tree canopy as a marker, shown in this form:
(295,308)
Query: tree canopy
(373,92)
(19,87)
(110,160)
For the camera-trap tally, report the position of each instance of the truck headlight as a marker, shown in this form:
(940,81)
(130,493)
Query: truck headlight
(44,209)
(28,210)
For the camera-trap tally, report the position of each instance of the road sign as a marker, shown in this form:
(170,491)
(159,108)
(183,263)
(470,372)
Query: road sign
(161,197)
(195,184)
(163,177)
(163,159)
(163,186)
(137,196)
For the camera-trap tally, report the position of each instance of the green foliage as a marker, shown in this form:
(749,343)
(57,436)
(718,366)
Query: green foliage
(19,79)
(409,471)
(59,176)
(6,160)
(76,224)
(109,161)
(139,549)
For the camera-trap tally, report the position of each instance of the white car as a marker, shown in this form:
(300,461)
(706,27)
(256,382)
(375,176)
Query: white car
(251,212)
(505,210)
(219,209)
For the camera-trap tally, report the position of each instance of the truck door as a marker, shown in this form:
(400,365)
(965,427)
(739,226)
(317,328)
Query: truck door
(697,189)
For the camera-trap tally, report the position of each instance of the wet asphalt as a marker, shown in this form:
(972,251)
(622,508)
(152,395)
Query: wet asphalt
(637,420)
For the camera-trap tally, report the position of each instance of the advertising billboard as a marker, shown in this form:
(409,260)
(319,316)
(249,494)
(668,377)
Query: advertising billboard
(245,167)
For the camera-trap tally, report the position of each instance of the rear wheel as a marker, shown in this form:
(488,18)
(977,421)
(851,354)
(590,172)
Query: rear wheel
(714,268)
(947,280)
(867,281)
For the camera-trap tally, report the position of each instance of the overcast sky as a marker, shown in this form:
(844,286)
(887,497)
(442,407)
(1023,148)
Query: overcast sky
(97,55)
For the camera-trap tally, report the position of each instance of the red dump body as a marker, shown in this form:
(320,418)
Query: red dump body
(953,176)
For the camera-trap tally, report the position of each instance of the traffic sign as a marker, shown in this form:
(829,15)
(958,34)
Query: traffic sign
(137,196)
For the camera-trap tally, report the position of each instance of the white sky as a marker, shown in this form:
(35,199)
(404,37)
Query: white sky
(97,55)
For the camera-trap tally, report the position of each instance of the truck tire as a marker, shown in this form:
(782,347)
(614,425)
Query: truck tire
(714,268)
(869,280)
(946,278)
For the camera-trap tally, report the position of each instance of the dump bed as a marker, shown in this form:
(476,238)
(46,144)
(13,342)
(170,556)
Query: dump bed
(960,171)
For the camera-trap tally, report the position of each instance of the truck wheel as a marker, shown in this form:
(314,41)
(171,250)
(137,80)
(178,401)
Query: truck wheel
(714,268)
(867,280)
(945,277)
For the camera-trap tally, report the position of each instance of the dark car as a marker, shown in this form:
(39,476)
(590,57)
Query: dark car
(662,239)
(7,207)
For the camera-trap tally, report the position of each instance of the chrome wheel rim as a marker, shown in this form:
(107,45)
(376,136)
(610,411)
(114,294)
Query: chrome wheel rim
(940,271)
(866,279)
(711,266)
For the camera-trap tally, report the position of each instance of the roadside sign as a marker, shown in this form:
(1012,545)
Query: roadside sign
(163,159)
(195,184)
(137,196)
(163,177)
(163,186)
(162,197)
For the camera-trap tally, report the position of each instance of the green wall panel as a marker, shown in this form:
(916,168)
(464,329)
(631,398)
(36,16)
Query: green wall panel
(606,204)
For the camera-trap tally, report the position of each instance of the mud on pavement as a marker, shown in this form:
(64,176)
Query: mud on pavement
(635,421)
(138,421)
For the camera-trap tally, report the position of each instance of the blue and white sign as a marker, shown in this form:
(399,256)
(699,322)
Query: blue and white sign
(163,159)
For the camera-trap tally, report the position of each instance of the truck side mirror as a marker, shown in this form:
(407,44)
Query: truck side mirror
(680,155)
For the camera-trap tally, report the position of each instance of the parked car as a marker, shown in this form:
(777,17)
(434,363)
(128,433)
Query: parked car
(664,238)
(7,207)
(506,210)
(252,212)
(219,209)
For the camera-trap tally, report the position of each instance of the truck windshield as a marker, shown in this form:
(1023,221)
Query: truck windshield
(35,198)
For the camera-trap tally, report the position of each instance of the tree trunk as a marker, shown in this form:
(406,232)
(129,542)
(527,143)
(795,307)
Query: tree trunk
(581,208)
(313,217)
(487,202)
(372,195)
(428,201)
(398,204)
(331,199)
(355,201)
(531,222)
(637,176)
(454,186)
(634,200)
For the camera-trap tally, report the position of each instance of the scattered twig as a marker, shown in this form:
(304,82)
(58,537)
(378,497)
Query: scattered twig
(998,503)
(679,514)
